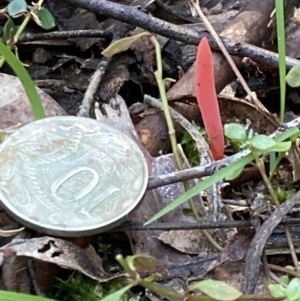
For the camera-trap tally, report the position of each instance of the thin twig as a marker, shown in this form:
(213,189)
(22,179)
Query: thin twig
(85,107)
(276,279)
(138,226)
(57,35)
(227,56)
(281,269)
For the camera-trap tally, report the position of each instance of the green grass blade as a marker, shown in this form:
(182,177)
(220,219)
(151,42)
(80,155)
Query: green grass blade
(217,177)
(30,89)
(209,181)
(281,52)
(287,134)
(12,296)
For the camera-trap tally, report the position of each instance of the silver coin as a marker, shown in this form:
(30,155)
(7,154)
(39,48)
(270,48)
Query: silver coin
(71,176)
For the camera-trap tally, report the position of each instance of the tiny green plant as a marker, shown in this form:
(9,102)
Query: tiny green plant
(11,33)
(20,9)
(190,147)
(133,265)
(289,293)
(283,193)
(79,287)
(208,289)
(264,143)
(293,77)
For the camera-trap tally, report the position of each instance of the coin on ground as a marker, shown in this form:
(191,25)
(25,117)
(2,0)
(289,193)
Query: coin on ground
(71,176)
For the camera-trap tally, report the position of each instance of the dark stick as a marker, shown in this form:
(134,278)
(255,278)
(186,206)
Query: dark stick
(132,15)
(193,172)
(56,35)
(135,226)
(183,175)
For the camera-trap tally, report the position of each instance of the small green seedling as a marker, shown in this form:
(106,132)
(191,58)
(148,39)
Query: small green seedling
(237,134)
(42,16)
(19,9)
(190,147)
(283,193)
(136,264)
(290,293)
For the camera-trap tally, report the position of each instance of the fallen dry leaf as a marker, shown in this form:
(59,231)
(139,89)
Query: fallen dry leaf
(60,252)
(15,109)
(122,44)
(187,241)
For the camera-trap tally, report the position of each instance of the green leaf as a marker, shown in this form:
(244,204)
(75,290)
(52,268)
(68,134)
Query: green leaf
(294,137)
(8,27)
(293,77)
(235,131)
(285,279)
(234,175)
(281,147)
(29,87)
(293,290)
(122,44)
(250,134)
(262,142)
(217,177)
(273,162)
(287,134)
(11,296)
(46,18)
(16,8)
(142,263)
(186,139)
(117,295)
(277,291)
(281,193)
(217,290)
(290,267)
